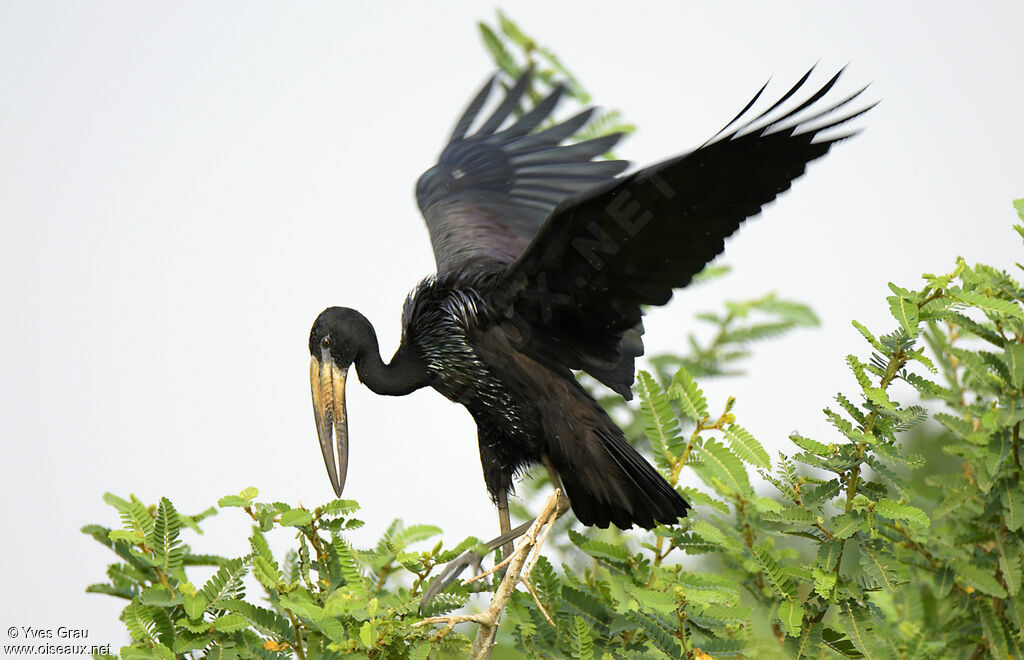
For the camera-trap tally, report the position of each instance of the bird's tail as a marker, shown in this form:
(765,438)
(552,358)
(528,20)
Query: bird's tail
(607,481)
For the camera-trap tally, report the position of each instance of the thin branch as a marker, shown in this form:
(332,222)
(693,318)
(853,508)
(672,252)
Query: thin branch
(488,619)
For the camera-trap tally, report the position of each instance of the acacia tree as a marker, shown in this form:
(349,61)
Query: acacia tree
(860,547)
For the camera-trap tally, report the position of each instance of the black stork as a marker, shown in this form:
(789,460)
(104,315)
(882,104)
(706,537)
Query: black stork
(545,257)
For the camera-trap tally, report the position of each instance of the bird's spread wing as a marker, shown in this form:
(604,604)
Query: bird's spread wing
(491,191)
(575,293)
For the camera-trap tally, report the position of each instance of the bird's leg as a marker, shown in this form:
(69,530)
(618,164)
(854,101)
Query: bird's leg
(470,558)
(505,523)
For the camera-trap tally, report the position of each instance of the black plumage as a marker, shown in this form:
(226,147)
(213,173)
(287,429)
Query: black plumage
(545,258)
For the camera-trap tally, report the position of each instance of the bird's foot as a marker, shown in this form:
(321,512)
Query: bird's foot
(450,573)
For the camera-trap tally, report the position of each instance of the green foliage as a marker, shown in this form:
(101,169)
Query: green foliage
(329,599)
(733,331)
(514,52)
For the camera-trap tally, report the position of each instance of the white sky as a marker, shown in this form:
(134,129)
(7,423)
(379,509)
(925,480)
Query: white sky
(183,190)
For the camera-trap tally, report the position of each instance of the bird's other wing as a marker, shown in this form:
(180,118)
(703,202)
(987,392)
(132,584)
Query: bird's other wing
(574,295)
(490,191)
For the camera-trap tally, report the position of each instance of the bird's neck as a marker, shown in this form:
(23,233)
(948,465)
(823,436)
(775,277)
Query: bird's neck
(404,374)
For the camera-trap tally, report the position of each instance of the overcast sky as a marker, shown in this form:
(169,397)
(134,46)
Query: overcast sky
(184,187)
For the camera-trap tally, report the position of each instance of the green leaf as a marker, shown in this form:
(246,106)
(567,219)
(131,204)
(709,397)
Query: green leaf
(795,312)
(978,578)
(746,447)
(134,514)
(162,652)
(264,566)
(823,582)
(711,272)
(754,332)
(498,51)
(1013,504)
(988,304)
(791,614)
(169,550)
(687,393)
(594,609)
(880,398)
(1015,361)
(963,428)
(858,625)
(773,572)
(225,583)
(725,466)
(603,122)
(336,508)
(186,642)
(791,514)
(929,389)
(904,310)
(349,561)
(243,499)
(828,554)
(301,603)
(706,589)
(896,511)
(582,642)
(660,424)
(944,580)
(967,325)
(159,596)
(1018,204)
(858,371)
(652,599)
(661,637)
(878,566)
(295,518)
(413,534)
(512,31)
(721,648)
(192,522)
(839,643)
(138,619)
(724,614)
(1009,565)
(130,537)
(368,634)
(699,497)
(421,651)
(812,446)
(195,604)
(877,345)
(846,525)
(230,623)
(599,549)
(221,651)
(994,632)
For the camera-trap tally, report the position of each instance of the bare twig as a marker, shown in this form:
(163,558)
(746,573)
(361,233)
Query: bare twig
(536,599)
(488,619)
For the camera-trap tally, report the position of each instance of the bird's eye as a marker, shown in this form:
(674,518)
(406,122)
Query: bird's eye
(325,342)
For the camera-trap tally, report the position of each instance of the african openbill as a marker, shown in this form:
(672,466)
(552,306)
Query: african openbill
(544,259)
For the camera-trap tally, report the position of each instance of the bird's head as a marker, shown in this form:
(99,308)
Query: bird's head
(335,342)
